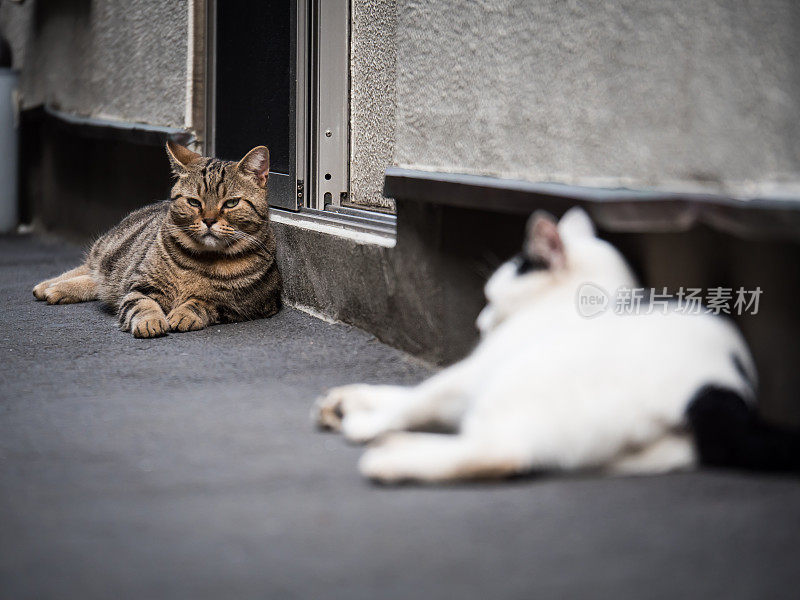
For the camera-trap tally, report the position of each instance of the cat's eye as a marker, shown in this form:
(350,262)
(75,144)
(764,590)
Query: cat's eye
(194,202)
(231,203)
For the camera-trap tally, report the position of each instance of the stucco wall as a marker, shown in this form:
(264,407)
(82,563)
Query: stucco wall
(372,99)
(676,93)
(122,60)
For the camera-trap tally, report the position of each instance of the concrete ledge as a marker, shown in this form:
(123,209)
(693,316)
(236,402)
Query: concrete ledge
(104,129)
(407,295)
(621,210)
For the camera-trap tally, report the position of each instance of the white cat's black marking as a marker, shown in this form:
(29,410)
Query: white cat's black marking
(729,433)
(526,264)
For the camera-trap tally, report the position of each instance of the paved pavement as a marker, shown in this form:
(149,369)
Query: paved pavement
(186,467)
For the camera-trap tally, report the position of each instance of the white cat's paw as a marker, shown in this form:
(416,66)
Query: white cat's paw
(330,409)
(393,460)
(378,465)
(361,412)
(365,426)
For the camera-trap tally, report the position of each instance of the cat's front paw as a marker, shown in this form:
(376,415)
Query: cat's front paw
(363,427)
(361,412)
(184,319)
(330,409)
(55,294)
(149,326)
(396,459)
(40,289)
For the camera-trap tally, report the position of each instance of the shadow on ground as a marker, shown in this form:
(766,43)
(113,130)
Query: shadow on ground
(186,467)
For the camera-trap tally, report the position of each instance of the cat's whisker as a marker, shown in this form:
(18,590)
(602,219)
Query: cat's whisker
(252,239)
(186,228)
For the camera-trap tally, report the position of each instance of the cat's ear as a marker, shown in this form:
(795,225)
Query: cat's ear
(576,224)
(180,157)
(543,241)
(255,164)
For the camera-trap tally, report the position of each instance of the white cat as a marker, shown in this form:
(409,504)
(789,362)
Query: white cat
(546,388)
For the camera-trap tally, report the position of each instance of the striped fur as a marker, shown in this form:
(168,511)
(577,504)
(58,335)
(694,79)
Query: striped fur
(205,256)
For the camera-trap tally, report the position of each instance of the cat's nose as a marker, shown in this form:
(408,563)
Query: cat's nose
(209,222)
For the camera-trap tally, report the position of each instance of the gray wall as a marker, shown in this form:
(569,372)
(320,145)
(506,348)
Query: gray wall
(119,60)
(674,93)
(372,99)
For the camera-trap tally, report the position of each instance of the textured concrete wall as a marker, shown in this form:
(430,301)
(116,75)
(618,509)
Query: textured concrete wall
(372,99)
(677,93)
(123,60)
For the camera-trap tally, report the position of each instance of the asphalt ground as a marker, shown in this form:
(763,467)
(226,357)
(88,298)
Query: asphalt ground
(187,467)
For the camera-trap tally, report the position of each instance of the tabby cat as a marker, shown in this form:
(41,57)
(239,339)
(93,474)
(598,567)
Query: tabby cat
(203,257)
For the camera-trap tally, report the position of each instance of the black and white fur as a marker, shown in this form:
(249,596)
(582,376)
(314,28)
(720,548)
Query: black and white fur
(547,389)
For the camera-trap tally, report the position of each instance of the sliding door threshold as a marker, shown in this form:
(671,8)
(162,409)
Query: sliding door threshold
(362,226)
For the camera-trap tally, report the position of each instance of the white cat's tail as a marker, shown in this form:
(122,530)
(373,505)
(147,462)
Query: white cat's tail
(729,433)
